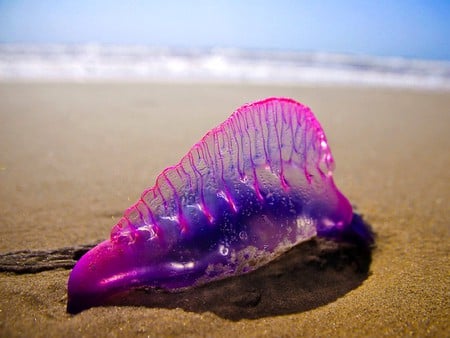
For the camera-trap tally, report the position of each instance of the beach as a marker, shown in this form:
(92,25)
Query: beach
(74,156)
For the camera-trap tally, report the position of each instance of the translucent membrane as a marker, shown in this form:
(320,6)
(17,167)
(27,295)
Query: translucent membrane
(249,190)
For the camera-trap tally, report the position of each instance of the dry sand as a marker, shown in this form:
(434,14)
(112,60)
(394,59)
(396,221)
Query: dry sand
(74,156)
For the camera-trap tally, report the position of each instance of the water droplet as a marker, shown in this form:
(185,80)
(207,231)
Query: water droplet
(223,250)
(243,235)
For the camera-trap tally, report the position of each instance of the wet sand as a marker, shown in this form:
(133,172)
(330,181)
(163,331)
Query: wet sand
(73,157)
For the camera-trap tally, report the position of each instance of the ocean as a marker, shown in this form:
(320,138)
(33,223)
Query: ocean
(94,62)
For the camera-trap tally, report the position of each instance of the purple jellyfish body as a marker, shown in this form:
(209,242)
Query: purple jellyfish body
(252,188)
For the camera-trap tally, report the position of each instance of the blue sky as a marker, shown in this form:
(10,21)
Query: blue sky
(418,29)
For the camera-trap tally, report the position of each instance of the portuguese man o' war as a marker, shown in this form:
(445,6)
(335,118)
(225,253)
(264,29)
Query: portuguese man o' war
(252,188)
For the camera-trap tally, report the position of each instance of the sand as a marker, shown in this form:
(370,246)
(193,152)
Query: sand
(73,157)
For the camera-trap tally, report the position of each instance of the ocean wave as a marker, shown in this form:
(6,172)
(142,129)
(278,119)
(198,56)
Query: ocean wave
(93,62)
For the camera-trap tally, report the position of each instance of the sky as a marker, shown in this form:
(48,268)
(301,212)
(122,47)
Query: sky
(413,29)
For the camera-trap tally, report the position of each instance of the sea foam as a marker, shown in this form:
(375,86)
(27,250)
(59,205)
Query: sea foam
(93,62)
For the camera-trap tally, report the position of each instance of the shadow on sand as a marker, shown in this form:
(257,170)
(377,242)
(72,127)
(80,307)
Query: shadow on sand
(310,275)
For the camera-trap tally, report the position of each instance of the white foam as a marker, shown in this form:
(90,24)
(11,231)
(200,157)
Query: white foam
(97,62)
